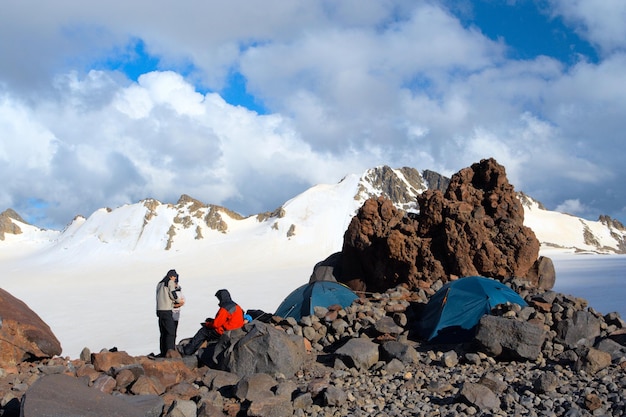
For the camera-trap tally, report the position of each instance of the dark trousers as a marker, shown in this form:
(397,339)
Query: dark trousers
(204,334)
(167,328)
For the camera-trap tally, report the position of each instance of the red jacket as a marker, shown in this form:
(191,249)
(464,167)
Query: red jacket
(224,320)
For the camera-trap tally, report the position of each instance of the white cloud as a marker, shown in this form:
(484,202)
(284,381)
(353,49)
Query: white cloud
(574,207)
(395,82)
(601,22)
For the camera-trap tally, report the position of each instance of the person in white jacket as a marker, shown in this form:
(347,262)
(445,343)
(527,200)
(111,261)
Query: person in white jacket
(167,301)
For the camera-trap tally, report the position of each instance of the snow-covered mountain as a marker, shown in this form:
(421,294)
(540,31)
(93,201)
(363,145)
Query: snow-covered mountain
(94,281)
(320,214)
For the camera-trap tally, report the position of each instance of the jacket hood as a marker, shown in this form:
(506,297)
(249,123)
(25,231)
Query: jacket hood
(225,301)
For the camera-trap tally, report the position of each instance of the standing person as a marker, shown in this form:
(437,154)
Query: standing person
(228,317)
(166,301)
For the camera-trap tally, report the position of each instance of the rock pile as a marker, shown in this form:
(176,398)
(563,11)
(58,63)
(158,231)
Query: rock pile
(555,357)
(475,228)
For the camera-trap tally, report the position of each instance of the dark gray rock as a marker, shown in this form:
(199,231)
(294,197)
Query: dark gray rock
(221,381)
(62,396)
(580,330)
(398,350)
(255,387)
(359,353)
(509,338)
(334,396)
(611,347)
(259,348)
(386,325)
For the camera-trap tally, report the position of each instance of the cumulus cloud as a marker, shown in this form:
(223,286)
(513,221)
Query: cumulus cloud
(345,88)
(602,22)
(574,207)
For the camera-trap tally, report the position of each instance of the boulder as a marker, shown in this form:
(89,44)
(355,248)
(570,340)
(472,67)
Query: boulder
(258,348)
(218,380)
(542,274)
(479,396)
(509,338)
(106,361)
(167,372)
(580,330)
(271,407)
(61,395)
(255,387)
(23,334)
(359,353)
(397,350)
(182,408)
(475,228)
(592,360)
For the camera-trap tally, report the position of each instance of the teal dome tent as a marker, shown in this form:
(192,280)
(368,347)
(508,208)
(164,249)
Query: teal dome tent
(452,313)
(302,300)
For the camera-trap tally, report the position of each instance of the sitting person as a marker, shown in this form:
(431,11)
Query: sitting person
(228,317)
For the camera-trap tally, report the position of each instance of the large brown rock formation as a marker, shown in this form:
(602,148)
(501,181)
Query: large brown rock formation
(475,228)
(23,334)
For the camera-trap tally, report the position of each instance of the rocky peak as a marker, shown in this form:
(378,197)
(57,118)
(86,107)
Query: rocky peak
(195,204)
(7,225)
(435,180)
(611,223)
(400,185)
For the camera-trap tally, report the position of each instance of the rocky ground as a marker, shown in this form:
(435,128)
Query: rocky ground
(364,360)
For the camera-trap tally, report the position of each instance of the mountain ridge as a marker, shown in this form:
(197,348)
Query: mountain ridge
(325,208)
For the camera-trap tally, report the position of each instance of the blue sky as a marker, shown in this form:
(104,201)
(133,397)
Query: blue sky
(247,106)
(529,31)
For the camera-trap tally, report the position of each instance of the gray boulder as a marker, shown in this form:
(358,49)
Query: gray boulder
(509,338)
(612,348)
(580,330)
(259,348)
(60,395)
(359,353)
(255,387)
(398,350)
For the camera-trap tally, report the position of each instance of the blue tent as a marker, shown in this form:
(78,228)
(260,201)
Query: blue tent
(453,312)
(319,293)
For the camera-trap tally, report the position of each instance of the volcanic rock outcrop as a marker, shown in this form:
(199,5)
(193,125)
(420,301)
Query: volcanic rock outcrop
(475,228)
(23,334)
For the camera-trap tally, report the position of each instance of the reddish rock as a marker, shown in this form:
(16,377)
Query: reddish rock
(23,334)
(475,228)
(87,370)
(124,378)
(147,386)
(167,372)
(104,361)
